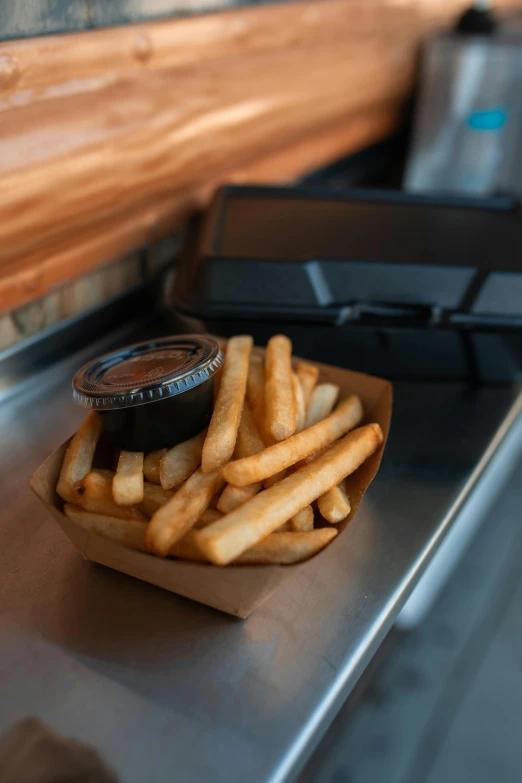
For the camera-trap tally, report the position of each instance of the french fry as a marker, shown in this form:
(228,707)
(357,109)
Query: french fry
(129,532)
(94,493)
(309,458)
(249,440)
(287,548)
(299,404)
(226,539)
(334,505)
(209,516)
(303,520)
(127,484)
(104,472)
(258,467)
(255,391)
(79,455)
(307,374)
(324,398)
(322,402)
(224,424)
(300,522)
(256,400)
(233,497)
(153,498)
(271,480)
(187,548)
(214,499)
(282,548)
(151,466)
(170,522)
(178,463)
(280,407)
(335,502)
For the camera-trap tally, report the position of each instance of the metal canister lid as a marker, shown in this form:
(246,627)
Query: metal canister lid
(147,372)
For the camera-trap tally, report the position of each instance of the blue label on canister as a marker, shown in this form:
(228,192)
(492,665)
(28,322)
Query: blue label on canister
(487,120)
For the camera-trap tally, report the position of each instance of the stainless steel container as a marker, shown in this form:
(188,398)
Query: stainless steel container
(468,126)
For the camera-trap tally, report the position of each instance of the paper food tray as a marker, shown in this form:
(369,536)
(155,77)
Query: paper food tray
(237,590)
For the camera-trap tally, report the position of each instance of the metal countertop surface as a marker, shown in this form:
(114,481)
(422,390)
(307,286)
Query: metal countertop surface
(167,689)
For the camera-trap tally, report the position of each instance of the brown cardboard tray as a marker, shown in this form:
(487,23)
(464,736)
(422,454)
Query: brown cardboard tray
(237,590)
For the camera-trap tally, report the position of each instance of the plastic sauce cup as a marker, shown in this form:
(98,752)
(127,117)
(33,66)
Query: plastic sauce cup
(153,394)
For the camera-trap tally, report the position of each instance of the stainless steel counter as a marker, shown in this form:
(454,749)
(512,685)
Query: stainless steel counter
(167,689)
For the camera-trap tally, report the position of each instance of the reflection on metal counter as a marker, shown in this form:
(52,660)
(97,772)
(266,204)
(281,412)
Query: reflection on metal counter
(468,125)
(183,676)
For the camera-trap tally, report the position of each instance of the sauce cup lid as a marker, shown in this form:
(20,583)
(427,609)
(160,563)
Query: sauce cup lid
(147,372)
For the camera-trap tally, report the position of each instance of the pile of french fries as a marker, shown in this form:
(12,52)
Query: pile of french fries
(242,491)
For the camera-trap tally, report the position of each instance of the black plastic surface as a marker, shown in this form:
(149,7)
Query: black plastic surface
(380,258)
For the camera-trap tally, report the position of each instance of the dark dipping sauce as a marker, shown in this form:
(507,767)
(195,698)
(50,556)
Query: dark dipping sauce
(154,394)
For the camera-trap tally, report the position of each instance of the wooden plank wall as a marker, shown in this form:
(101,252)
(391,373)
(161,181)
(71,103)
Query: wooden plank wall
(109,138)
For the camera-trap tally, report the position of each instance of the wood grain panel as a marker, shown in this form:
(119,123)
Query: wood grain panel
(89,60)
(156,142)
(109,138)
(325,145)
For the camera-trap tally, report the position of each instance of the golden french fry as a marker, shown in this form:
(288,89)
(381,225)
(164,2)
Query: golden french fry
(303,520)
(334,505)
(266,440)
(222,431)
(127,484)
(307,374)
(256,399)
(153,498)
(228,538)
(309,458)
(151,466)
(94,493)
(322,402)
(258,467)
(255,394)
(233,497)
(129,532)
(271,480)
(187,549)
(214,500)
(280,407)
(180,514)
(104,472)
(209,516)
(299,404)
(179,462)
(324,397)
(79,455)
(287,548)
(282,548)
(249,440)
